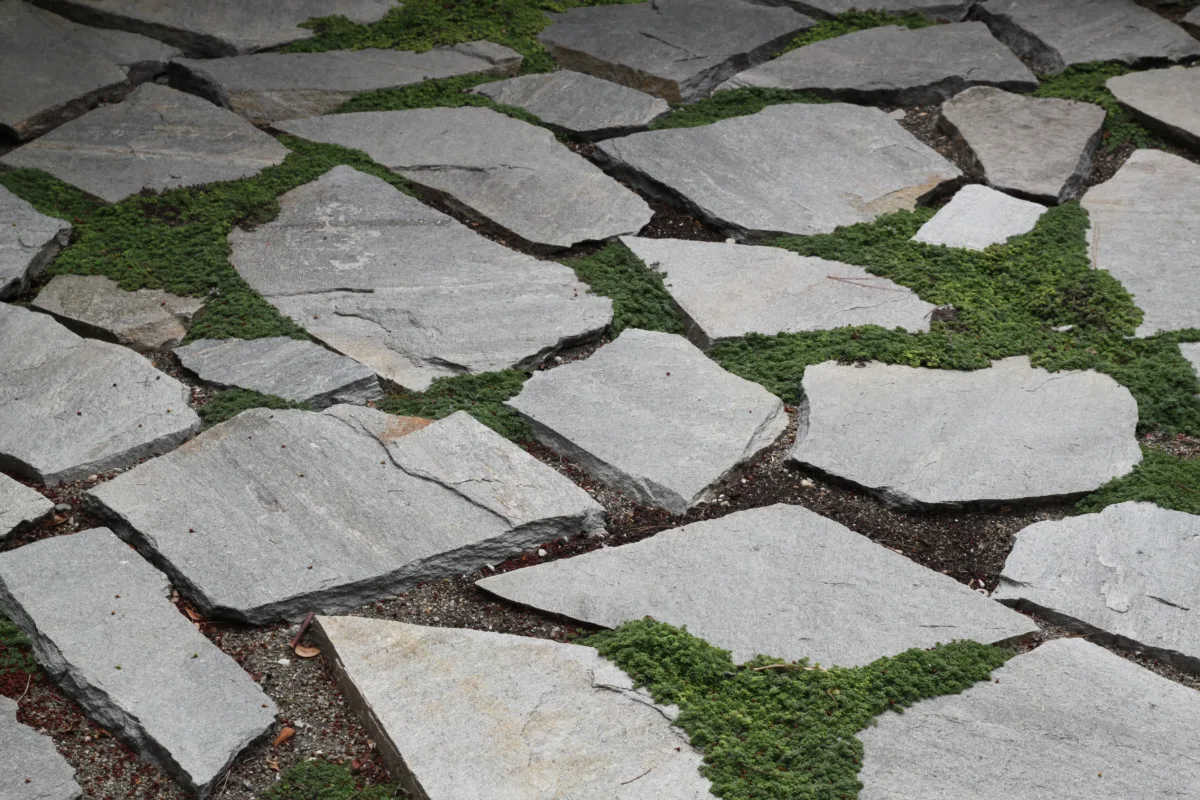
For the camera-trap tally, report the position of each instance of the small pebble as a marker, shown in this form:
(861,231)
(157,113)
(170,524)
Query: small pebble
(62,508)
(541,553)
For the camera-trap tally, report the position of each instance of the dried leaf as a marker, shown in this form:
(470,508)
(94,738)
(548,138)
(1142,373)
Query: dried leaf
(272,764)
(193,614)
(305,651)
(356,765)
(283,736)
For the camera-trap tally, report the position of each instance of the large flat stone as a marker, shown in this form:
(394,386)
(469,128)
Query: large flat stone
(70,406)
(727,290)
(269,86)
(103,628)
(20,506)
(1131,572)
(795,168)
(895,65)
(978,217)
(406,290)
(148,319)
(276,513)
(800,586)
(299,371)
(678,50)
(1145,230)
(1055,34)
(928,437)
(504,716)
(1167,100)
(1039,148)
(52,70)
(157,138)
(29,240)
(30,766)
(652,417)
(217,27)
(952,10)
(501,169)
(1068,719)
(577,103)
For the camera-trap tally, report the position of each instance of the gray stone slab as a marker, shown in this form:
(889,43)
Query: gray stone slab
(925,437)
(20,506)
(678,50)
(1038,148)
(1129,572)
(505,716)
(1191,22)
(796,168)
(217,27)
(651,416)
(52,70)
(157,138)
(977,217)
(800,586)
(70,407)
(406,290)
(148,319)
(1069,719)
(277,513)
(726,290)
(1055,34)
(295,370)
(951,10)
(30,766)
(269,86)
(504,170)
(1167,100)
(104,629)
(894,65)
(1191,351)
(577,103)
(29,241)
(1145,228)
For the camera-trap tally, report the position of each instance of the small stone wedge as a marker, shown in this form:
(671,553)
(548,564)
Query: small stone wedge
(505,716)
(29,240)
(978,217)
(30,766)
(146,320)
(20,507)
(103,628)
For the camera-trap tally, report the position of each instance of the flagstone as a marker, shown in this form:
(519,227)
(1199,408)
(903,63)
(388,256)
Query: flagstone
(30,766)
(148,319)
(1167,100)
(978,217)
(29,240)
(20,506)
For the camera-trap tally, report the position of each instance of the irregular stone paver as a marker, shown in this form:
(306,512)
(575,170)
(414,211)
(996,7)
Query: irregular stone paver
(299,371)
(157,138)
(800,586)
(895,65)
(70,407)
(271,86)
(29,240)
(977,217)
(787,169)
(30,766)
(1167,100)
(276,513)
(652,417)
(20,506)
(726,290)
(678,50)
(505,170)
(148,319)
(217,27)
(506,716)
(52,70)
(1191,351)
(928,437)
(406,290)
(1145,225)
(1043,150)
(578,103)
(104,629)
(1130,571)
(952,10)
(1069,719)
(1056,34)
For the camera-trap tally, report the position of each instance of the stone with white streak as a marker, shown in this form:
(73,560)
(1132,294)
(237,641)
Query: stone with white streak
(20,506)
(503,716)
(978,217)
(29,240)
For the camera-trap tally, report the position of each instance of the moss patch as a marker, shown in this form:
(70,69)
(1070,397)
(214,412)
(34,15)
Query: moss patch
(16,660)
(231,402)
(1085,82)
(482,396)
(1161,478)
(320,780)
(854,21)
(639,298)
(788,733)
(176,240)
(730,103)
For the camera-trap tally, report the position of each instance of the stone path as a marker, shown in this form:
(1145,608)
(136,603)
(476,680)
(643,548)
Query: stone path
(722,429)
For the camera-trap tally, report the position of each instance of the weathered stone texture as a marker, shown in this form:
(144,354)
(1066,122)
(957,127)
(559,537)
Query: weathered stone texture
(29,240)
(577,103)
(1167,100)
(20,506)
(30,766)
(148,319)
(978,217)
